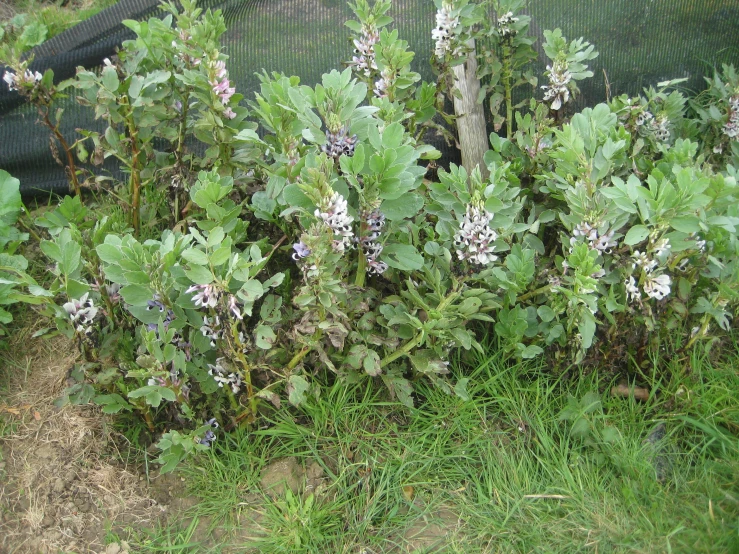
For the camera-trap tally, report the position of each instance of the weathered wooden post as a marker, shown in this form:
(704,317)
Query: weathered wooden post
(471,129)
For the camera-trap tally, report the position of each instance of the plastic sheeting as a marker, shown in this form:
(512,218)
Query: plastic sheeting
(641,42)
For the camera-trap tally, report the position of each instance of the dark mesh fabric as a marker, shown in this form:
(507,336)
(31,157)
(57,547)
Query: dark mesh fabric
(641,42)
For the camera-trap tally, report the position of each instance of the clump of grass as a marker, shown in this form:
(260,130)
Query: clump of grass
(60,15)
(503,471)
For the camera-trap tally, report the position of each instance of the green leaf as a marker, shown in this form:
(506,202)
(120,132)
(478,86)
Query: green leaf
(546,313)
(110,79)
(265,337)
(195,256)
(404,207)
(636,234)
(686,224)
(215,237)
(371,363)
(109,253)
(136,295)
(297,386)
(199,275)
(402,256)
(531,351)
(460,389)
(71,252)
(251,290)
(10,198)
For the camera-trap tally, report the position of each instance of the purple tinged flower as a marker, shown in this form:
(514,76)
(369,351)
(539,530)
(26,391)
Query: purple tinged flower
(301,251)
(228,113)
(373,223)
(210,436)
(557,91)
(81,312)
(234,307)
(363,60)
(206,295)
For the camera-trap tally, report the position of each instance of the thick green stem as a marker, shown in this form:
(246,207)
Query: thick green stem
(541,290)
(30,230)
(507,74)
(702,331)
(361,267)
(298,357)
(405,349)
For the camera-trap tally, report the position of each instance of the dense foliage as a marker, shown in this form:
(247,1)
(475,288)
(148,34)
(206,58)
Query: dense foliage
(258,251)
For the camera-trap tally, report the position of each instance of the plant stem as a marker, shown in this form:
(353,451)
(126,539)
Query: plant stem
(135,177)
(71,166)
(704,326)
(506,75)
(30,230)
(540,290)
(298,357)
(361,267)
(405,349)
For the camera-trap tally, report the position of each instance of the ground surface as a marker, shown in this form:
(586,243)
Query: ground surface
(64,485)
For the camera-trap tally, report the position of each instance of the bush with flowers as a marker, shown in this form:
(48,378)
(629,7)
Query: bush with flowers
(307,245)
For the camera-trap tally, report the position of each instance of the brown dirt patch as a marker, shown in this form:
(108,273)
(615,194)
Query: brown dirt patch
(62,485)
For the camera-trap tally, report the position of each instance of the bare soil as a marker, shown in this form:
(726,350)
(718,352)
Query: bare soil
(63,483)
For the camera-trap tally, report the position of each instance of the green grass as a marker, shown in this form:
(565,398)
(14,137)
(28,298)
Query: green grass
(58,18)
(501,472)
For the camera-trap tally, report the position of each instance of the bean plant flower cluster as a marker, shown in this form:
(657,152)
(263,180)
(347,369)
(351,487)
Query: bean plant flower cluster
(333,212)
(363,60)
(444,32)
(505,24)
(658,126)
(653,281)
(372,224)
(566,69)
(82,313)
(731,129)
(602,243)
(223,376)
(475,239)
(557,92)
(21,81)
(218,79)
(339,143)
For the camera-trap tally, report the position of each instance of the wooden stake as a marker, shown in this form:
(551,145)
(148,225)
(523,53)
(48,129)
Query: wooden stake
(473,137)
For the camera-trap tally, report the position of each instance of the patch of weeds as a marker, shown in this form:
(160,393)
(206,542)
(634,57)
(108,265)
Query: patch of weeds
(531,462)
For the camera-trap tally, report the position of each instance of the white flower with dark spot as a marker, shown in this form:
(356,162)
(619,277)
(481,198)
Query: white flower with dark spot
(336,216)
(632,290)
(475,238)
(206,295)
(657,286)
(443,33)
(505,24)
(557,92)
(81,312)
(223,377)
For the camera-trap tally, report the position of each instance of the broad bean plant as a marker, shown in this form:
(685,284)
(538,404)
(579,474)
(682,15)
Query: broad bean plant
(307,241)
